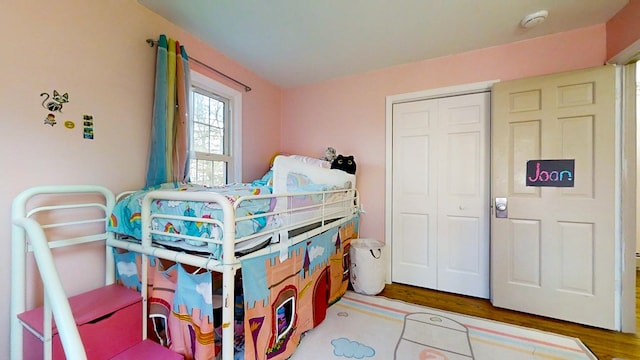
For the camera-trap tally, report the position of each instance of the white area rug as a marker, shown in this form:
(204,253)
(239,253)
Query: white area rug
(370,327)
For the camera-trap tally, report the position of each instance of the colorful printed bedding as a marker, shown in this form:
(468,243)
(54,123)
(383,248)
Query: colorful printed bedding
(126,219)
(307,185)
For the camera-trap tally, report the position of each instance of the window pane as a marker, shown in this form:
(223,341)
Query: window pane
(200,172)
(219,173)
(208,172)
(200,108)
(201,138)
(217,127)
(216,139)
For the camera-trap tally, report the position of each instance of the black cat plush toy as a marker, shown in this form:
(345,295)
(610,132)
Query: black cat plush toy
(344,163)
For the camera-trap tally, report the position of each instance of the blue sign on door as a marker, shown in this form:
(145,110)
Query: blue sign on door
(556,173)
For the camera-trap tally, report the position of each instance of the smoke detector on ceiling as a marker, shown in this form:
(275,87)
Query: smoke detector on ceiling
(534,19)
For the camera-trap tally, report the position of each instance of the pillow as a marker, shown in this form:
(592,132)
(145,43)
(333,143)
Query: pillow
(311,161)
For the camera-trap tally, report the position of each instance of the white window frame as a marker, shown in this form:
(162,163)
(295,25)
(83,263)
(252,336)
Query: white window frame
(234,168)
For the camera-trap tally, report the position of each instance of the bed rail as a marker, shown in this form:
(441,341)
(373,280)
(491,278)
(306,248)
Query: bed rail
(56,301)
(229,263)
(28,235)
(334,204)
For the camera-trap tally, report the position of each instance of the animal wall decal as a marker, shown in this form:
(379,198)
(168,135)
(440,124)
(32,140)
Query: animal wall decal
(56,102)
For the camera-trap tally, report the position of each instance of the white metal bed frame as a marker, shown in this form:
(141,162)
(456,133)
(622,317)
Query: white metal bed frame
(330,213)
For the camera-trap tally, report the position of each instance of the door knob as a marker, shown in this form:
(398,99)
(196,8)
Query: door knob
(501,207)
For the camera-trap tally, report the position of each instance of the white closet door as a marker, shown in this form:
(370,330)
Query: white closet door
(440,222)
(463,195)
(415,205)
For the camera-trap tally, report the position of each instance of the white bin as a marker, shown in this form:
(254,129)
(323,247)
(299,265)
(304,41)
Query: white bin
(368,267)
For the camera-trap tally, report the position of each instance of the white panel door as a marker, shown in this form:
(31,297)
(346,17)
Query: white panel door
(415,205)
(440,207)
(463,195)
(554,255)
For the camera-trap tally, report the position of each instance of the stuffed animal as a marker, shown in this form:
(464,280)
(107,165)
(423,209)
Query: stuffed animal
(329,155)
(344,163)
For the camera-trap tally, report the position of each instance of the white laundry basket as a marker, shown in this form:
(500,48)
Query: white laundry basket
(368,266)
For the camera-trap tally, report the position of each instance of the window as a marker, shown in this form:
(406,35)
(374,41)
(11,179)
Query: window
(210,138)
(215,146)
(284,312)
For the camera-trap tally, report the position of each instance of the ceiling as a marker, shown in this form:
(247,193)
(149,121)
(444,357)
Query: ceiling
(298,42)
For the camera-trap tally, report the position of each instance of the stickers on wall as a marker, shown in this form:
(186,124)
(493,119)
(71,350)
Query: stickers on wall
(53,103)
(88,126)
(50,119)
(56,102)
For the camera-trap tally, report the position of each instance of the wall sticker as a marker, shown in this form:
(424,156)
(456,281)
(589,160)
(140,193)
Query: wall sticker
(88,126)
(56,102)
(50,120)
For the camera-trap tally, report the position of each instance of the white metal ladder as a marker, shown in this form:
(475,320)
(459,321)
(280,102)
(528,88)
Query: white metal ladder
(29,236)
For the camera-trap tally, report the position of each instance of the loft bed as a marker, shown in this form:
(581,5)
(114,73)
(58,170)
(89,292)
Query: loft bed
(288,234)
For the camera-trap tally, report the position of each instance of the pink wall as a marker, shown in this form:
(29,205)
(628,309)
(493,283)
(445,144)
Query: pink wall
(349,113)
(96,51)
(260,111)
(623,29)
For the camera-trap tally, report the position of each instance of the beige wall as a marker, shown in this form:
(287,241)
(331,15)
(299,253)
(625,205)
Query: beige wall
(96,52)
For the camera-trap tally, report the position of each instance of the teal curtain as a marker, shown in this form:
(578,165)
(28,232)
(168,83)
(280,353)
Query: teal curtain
(171,128)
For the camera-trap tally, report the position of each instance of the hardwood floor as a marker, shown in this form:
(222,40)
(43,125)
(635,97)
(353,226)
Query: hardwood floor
(604,344)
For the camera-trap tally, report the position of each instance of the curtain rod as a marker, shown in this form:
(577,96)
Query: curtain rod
(247,88)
